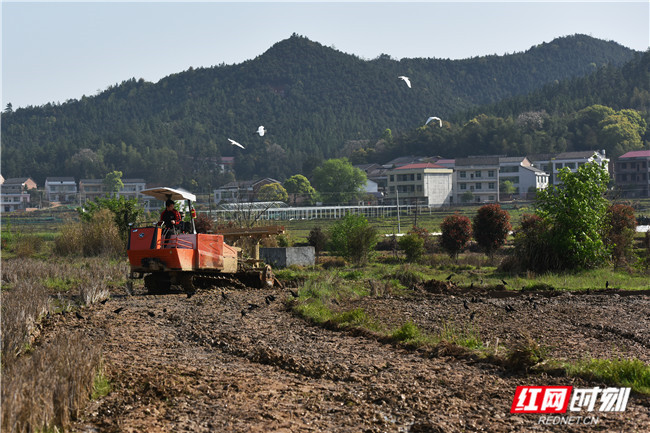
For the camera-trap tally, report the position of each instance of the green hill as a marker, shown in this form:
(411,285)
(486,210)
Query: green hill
(608,109)
(312,99)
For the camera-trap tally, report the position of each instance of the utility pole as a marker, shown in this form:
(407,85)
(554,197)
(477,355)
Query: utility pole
(415,219)
(399,229)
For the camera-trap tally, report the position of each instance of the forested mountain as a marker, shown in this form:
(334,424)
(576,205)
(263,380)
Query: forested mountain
(315,101)
(608,109)
(616,87)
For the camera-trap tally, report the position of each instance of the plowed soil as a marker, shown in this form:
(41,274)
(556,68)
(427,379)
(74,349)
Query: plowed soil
(226,360)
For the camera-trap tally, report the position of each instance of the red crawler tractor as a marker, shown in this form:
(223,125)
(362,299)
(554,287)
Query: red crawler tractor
(169,256)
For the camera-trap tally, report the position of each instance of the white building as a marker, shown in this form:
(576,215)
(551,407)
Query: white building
(524,177)
(421,184)
(61,189)
(476,180)
(90,189)
(14,193)
(552,164)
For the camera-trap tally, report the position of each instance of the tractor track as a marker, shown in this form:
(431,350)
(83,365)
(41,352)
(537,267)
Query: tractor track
(233,360)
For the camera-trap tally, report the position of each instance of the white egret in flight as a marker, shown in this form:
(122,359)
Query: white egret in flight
(406,80)
(234,143)
(261,131)
(433,118)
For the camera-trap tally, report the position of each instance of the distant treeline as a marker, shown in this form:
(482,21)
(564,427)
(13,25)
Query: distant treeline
(319,103)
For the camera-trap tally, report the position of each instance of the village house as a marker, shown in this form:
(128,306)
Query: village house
(632,174)
(240,191)
(61,189)
(376,175)
(90,189)
(15,193)
(476,180)
(423,184)
(552,164)
(525,178)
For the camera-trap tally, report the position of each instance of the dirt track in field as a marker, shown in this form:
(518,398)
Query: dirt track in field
(225,360)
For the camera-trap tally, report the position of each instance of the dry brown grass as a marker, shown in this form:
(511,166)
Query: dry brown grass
(99,237)
(49,387)
(44,385)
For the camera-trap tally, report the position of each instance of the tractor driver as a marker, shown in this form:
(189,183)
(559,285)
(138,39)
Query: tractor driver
(170,217)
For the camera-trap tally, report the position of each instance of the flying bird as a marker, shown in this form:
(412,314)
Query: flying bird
(234,143)
(433,118)
(118,311)
(406,80)
(261,131)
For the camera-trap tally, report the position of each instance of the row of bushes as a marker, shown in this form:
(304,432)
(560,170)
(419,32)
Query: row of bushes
(354,239)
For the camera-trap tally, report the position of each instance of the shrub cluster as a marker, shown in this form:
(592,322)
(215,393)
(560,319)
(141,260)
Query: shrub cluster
(456,234)
(353,238)
(491,226)
(203,223)
(99,236)
(317,238)
(620,225)
(413,247)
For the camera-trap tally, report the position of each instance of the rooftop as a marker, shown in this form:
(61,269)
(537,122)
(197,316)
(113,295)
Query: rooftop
(575,155)
(16,180)
(636,154)
(419,166)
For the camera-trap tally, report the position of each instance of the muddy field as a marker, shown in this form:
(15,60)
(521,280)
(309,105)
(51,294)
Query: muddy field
(235,360)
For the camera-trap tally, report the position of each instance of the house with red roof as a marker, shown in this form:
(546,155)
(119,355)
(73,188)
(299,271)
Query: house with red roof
(632,174)
(421,183)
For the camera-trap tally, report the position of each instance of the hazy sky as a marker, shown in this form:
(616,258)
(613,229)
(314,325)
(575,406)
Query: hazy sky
(52,52)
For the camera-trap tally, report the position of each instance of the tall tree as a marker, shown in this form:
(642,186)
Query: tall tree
(337,181)
(272,192)
(113,182)
(299,186)
(576,210)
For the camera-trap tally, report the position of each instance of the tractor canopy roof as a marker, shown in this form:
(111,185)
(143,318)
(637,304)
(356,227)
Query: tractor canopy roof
(163,193)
